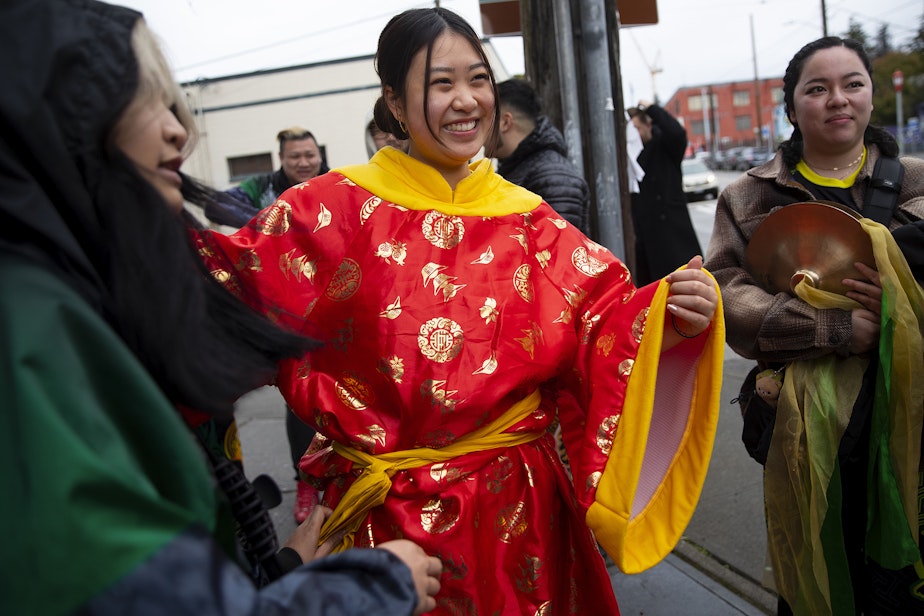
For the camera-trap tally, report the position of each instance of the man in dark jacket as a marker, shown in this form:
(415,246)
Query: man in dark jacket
(664,235)
(300,160)
(531,152)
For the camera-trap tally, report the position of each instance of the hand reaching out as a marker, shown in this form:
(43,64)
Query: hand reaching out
(691,303)
(425,570)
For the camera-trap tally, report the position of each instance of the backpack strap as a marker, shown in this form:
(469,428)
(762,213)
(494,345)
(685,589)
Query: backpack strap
(884,187)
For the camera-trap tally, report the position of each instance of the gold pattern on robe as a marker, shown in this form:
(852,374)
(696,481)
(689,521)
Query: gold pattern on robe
(451,569)
(587,264)
(626,275)
(442,230)
(392,367)
(638,325)
(532,339)
(222,276)
(522,282)
(375,435)
(392,250)
(346,182)
(588,322)
(529,475)
(324,218)
(297,266)
(593,480)
(574,299)
(433,273)
(559,222)
(544,257)
(440,339)
(521,239)
(368,208)
(545,609)
(510,522)
(443,472)
(625,368)
(488,366)
(250,261)
(303,371)
(393,310)
(439,397)
(484,258)
(439,516)
(605,432)
(488,311)
(530,572)
(500,473)
(310,307)
(354,392)
(345,282)
(275,220)
(605,344)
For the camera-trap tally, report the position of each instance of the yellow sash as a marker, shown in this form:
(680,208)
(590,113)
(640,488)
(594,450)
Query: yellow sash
(372,486)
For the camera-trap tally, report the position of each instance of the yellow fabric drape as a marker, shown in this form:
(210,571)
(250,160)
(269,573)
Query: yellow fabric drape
(639,542)
(372,486)
(812,413)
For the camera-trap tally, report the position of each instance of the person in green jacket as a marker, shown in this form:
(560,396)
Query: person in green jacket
(115,339)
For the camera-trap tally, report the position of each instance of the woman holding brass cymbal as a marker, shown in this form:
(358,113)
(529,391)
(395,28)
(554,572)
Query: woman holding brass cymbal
(841,472)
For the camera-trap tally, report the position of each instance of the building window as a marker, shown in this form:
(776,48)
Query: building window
(741,98)
(696,127)
(240,167)
(743,122)
(776,95)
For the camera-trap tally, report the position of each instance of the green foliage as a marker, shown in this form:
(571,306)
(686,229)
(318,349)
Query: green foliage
(884,99)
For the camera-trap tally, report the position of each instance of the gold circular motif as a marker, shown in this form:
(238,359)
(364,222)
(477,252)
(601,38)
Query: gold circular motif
(354,392)
(625,368)
(275,220)
(587,264)
(345,282)
(593,480)
(440,339)
(511,522)
(439,516)
(443,231)
(522,282)
(638,325)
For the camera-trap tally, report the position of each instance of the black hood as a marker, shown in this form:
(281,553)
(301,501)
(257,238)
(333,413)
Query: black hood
(68,71)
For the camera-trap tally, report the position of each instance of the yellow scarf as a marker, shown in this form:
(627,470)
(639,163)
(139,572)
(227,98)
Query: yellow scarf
(372,486)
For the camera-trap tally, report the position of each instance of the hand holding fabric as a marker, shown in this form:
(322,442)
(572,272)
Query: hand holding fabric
(691,303)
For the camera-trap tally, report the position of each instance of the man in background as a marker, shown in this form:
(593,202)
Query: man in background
(664,234)
(531,152)
(301,160)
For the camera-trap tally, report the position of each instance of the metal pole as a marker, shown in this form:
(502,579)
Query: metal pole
(601,116)
(824,19)
(760,127)
(900,122)
(707,130)
(570,107)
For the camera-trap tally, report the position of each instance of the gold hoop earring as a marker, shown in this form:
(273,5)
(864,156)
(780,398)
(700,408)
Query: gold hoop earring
(403,127)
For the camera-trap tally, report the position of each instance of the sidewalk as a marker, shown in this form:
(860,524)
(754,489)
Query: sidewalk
(714,571)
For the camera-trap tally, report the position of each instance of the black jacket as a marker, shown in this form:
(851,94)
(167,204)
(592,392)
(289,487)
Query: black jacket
(540,165)
(664,234)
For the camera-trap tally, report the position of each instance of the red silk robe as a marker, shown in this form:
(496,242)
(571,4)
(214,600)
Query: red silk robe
(440,309)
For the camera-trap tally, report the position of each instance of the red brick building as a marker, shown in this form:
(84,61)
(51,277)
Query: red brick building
(741,113)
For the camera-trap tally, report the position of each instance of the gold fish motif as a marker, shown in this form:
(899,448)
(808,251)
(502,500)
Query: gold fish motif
(484,258)
(393,310)
(324,218)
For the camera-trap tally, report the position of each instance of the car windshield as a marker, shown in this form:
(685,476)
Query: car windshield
(694,166)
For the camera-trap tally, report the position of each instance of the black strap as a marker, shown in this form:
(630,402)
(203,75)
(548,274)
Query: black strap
(882,196)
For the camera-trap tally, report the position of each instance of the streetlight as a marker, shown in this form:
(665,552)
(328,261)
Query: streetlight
(898,80)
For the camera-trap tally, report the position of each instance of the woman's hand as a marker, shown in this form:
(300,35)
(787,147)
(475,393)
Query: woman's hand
(305,538)
(865,321)
(691,303)
(425,570)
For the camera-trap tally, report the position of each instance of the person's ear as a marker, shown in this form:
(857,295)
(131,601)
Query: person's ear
(506,121)
(395,105)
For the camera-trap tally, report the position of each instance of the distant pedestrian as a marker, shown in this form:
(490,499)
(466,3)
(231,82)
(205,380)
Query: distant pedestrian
(531,152)
(664,234)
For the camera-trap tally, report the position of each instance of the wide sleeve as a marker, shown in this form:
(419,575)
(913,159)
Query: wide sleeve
(648,421)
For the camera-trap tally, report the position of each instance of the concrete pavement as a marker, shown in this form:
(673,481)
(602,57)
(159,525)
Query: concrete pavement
(714,571)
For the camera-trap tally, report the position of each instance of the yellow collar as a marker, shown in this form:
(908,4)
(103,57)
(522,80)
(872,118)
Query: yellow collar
(820,180)
(405,181)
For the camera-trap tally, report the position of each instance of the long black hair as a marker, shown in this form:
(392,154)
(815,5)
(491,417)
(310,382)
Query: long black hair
(792,147)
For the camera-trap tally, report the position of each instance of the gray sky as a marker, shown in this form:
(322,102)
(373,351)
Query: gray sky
(696,42)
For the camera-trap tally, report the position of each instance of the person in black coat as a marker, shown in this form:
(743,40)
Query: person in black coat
(531,152)
(664,235)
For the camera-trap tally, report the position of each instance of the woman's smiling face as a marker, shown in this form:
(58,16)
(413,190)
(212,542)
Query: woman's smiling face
(460,106)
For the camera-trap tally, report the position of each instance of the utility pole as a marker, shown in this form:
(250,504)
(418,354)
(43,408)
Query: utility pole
(824,19)
(760,123)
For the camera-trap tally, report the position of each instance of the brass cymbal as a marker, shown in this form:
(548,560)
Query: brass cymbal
(818,240)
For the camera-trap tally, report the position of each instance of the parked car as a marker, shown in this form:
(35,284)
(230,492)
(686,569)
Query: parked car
(751,157)
(730,161)
(698,180)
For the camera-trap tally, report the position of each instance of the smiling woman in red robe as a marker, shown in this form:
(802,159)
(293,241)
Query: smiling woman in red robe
(464,318)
